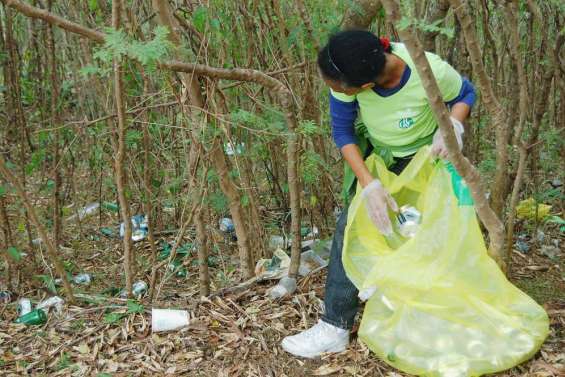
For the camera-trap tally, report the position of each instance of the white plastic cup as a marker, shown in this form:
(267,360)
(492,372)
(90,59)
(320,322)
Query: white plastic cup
(168,319)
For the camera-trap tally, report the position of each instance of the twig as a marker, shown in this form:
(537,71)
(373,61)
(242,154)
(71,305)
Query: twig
(272,73)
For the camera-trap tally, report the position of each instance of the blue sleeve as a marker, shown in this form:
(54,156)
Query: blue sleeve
(466,94)
(343,115)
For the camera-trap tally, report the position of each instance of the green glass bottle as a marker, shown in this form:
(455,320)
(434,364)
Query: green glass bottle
(35,317)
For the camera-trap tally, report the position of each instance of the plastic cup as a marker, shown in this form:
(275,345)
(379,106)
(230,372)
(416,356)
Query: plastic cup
(168,319)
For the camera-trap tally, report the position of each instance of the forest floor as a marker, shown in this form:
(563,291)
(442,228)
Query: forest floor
(233,335)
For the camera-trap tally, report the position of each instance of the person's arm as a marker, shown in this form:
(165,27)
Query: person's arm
(352,154)
(459,95)
(343,111)
(462,104)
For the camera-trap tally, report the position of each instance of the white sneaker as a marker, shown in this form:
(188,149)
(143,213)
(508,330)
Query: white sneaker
(317,340)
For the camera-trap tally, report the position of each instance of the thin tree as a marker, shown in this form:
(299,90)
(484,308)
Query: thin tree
(461,163)
(50,246)
(121,151)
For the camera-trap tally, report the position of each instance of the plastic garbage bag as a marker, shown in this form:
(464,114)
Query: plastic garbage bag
(438,304)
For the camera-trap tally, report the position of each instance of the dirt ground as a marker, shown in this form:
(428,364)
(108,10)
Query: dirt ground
(237,334)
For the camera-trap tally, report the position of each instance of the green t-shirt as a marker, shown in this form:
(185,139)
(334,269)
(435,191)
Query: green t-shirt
(405,117)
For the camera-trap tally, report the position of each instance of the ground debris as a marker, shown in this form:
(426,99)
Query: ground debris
(231,336)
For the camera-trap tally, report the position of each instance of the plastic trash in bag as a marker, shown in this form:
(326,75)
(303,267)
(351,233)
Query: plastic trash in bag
(438,305)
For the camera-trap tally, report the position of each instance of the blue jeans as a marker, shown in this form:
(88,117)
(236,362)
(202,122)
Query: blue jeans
(341,301)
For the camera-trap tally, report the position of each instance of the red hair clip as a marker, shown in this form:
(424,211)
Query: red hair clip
(385,42)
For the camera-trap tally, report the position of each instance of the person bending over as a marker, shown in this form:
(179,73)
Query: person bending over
(377,105)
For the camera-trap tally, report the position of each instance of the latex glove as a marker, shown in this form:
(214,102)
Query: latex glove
(438,144)
(367,293)
(377,201)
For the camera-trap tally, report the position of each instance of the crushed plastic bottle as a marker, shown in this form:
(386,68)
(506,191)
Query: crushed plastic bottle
(83,279)
(139,288)
(139,228)
(24,306)
(278,242)
(35,317)
(226,225)
(406,226)
(408,221)
(110,206)
(55,301)
(5,297)
(177,267)
(286,286)
(107,232)
(85,211)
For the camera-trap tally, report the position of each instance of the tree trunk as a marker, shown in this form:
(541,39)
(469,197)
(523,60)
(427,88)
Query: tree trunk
(495,110)
(120,177)
(50,246)
(463,166)
(360,15)
(55,121)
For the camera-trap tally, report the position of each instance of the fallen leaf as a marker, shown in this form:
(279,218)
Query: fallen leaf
(83,348)
(326,370)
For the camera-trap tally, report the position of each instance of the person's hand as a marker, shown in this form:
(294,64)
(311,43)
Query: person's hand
(377,201)
(438,145)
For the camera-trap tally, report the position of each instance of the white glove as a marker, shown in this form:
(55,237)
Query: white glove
(367,293)
(377,201)
(438,145)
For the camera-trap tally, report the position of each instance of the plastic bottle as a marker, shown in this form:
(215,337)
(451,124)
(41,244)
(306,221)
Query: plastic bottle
(226,225)
(139,288)
(5,297)
(286,286)
(35,317)
(54,301)
(82,279)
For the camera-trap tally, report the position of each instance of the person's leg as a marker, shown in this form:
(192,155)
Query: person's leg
(340,299)
(331,333)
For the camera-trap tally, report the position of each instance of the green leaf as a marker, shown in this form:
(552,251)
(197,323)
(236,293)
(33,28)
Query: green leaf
(112,318)
(175,186)
(147,53)
(555,220)
(14,253)
(134,307)
(218,202)
(49,282)
(309,128)
(89,70)
(199,18)
(2,191)
(64,361)
(133,137)
(404,23)
(245,200)
(92,5)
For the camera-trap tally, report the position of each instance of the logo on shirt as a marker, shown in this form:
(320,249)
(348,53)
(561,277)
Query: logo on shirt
(406,123)
(406,117)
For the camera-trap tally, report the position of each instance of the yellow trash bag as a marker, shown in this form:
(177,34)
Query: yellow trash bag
(441,306)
